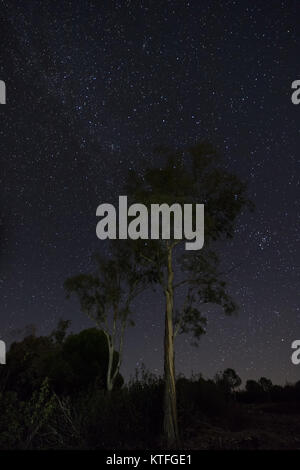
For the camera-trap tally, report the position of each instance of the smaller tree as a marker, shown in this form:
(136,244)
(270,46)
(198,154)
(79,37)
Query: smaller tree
(106,297)
(266,384)
(254,391)
(252,386)
(228,380)
(59,334)
(86,357)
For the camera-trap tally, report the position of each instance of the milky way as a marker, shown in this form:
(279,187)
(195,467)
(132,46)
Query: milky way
(92,87)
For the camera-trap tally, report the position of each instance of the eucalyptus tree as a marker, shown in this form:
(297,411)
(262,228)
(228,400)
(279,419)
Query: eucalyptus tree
(193,176)
(106,297)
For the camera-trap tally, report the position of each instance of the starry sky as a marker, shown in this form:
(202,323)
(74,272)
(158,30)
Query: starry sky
(92,88)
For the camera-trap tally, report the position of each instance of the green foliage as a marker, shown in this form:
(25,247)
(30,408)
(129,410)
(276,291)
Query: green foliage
(129,417)
(75,363)
(28,363)
(106,298)
(86,354)
(193,175)
(109,291)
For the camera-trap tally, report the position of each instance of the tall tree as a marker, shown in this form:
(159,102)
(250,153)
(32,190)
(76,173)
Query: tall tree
(195,176)
(106,297)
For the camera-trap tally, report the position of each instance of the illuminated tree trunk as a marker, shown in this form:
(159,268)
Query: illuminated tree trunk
(109,381)
(170,405)
(114,369)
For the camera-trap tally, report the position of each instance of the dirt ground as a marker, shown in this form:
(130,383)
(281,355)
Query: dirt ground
(272,426)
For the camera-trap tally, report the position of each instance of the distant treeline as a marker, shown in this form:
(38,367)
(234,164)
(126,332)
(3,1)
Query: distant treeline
(53,395)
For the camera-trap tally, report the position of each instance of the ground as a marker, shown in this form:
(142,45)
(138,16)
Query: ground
(271,426)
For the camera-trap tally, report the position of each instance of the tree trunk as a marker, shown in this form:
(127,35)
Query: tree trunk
(170,406)
(109,381)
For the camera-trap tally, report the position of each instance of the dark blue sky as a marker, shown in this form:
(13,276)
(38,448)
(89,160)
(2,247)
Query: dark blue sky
(91,89)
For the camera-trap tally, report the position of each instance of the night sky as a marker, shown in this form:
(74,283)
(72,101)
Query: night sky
(92,88)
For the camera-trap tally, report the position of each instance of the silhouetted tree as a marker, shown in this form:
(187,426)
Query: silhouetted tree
(86,355)
(254,390)
(72,364)
(28,363)
(228,380)
(106,298)
(60,332)
(193,176)
(266,384)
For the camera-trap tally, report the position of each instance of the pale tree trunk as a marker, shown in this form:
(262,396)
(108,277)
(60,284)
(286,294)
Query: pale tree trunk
(109,382)
(170,406)
(112,375)
(111,348)
(118,365)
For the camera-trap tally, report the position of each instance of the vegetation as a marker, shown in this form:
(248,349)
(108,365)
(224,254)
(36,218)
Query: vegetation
(192,176)
(53,395)
(189,280)
(106,296)
(66,391)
